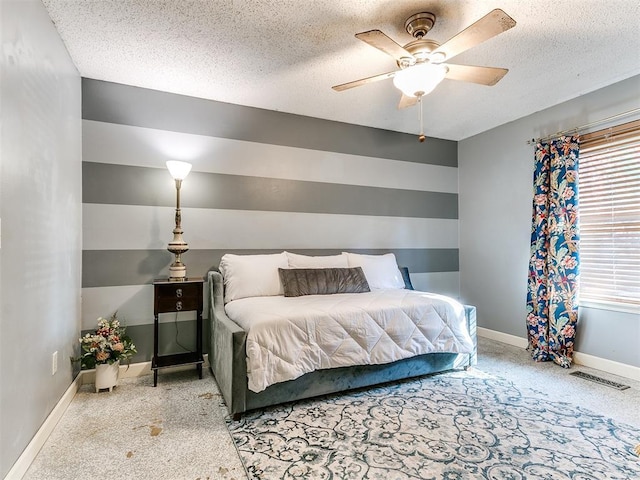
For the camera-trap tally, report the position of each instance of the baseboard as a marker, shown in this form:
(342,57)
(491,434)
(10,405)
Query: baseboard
(84,377)
(29,454)
(609,366)
(584,359)
(502,337)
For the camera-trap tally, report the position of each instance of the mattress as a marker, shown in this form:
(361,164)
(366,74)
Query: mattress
(290,336)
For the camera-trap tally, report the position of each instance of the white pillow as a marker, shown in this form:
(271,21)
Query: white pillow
(327,261)
(381,270)
(252,275)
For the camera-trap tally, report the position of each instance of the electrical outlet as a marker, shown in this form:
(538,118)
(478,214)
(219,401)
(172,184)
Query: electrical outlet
(54,363)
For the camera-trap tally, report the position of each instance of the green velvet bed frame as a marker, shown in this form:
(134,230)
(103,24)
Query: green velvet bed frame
(229,365)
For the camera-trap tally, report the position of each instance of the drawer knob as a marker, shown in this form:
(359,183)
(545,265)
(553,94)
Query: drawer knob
(178,305)
(179,292)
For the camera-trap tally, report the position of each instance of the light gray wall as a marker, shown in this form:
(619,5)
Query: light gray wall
(40,208)
(262,181)
(496,172)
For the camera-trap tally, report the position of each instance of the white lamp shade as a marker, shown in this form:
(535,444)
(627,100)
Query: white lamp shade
(178,170)
(419,79)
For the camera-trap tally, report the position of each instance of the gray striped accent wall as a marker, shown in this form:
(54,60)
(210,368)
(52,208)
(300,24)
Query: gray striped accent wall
(261,182)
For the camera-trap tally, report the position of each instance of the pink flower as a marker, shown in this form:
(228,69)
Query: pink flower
(568,331)
(569,262)
(568,193)
(540,199)
(532,319)
(118,347)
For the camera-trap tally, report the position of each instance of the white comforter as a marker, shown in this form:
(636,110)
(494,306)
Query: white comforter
(288,337)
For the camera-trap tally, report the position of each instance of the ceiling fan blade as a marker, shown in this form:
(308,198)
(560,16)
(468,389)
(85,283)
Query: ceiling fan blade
(407,101)
(492,24)
(363,81)
(470,73)
(379,40)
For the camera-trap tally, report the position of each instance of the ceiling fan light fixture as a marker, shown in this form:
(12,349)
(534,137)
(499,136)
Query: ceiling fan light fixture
(420,79)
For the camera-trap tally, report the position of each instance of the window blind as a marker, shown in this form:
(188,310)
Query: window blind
(609,196)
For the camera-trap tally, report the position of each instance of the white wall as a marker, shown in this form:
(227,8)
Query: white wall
(495,194)
(40,208)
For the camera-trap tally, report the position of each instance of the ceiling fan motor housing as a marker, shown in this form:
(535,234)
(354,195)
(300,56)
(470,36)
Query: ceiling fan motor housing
(421,50)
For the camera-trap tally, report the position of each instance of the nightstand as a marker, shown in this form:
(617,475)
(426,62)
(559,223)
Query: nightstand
(174,297)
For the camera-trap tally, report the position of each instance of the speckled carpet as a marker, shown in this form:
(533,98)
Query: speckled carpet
(174,431)
(456,426)
(177,430)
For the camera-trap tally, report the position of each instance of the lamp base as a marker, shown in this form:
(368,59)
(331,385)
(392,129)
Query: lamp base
(177,273)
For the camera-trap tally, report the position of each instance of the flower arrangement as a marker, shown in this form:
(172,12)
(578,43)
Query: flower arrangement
(108,344)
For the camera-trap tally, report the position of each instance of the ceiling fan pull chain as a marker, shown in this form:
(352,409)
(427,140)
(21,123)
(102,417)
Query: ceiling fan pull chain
(421,137)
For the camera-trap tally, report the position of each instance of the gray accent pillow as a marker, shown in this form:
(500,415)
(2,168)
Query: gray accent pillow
(322,281)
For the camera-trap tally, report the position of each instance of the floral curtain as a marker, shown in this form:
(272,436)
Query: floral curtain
(552,313)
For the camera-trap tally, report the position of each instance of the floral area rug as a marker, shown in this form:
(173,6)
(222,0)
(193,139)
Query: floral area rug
(454,426)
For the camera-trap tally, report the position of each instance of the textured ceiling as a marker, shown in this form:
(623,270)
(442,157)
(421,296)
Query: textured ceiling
(285,55)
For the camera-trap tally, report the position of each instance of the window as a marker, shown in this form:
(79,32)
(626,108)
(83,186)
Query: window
(609,194)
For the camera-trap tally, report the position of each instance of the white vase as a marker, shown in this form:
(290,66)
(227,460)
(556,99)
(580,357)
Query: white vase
(107,375)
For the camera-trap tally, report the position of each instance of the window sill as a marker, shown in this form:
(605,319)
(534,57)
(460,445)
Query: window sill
(611,306)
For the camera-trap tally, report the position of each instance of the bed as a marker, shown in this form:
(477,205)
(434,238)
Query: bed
(253,368)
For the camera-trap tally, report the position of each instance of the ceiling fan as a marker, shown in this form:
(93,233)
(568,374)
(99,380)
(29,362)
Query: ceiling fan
(421,61)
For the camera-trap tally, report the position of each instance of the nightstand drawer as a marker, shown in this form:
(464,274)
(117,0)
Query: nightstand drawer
(177,304)
(176,297)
